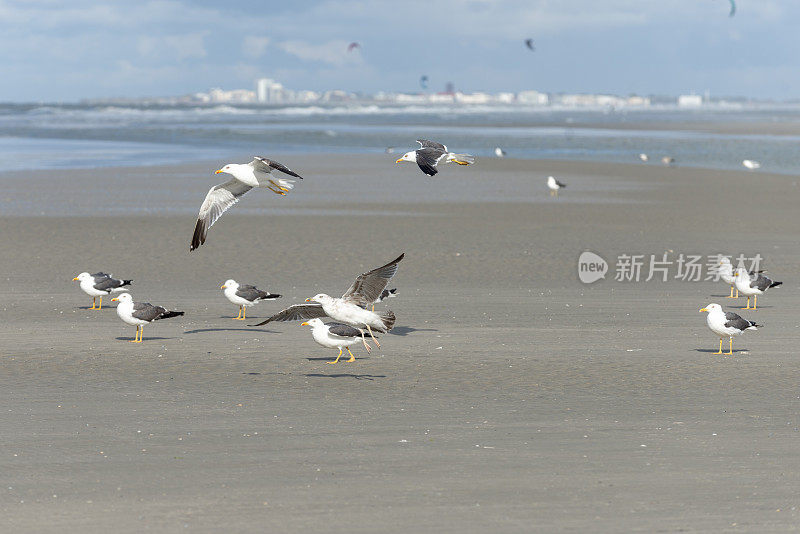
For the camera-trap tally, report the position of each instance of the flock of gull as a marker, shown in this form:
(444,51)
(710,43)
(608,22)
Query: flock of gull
(354,312)
(749,284)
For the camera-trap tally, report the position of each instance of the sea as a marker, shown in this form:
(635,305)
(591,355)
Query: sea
(69,136)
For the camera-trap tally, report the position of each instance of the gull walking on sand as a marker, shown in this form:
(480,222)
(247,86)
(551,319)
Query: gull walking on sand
(726,324)
(100,284)
(430,153)
(554,185)
(140,314)
(351,308)
(244,295)
(752,285)
(334,336)
(220,198)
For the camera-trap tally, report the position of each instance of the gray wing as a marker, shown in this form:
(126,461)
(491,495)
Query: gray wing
(107,284)
(146,311)
(368,286)
(560,184)
(762,282)
(250,293)
(99,276)
(424,143)
(298,312)
(737,322)
(428,158)
(218,200)
(267,165)
(342,330)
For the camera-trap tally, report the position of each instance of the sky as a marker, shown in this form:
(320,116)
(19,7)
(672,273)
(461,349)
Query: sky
(61,51)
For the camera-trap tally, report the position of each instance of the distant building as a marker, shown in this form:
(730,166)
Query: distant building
(232,97)
(269,91)
(635,100)
(533,97)
(472,98)
(690,101)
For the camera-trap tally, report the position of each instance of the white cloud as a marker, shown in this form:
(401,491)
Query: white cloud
(254,46)
(331,52)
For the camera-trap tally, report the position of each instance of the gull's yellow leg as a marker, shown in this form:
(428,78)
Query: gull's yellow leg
(283,188)
(141,333)
(364,341)
(730,351)
(337,358)
(373,336)
(731,295)
(737,293)
(94,303)
(239,316)
(373,307)
(101,303)
(136,337)
(755,301)
(748,304)
(244,313)
(276,191)
(720,347)
(352,358)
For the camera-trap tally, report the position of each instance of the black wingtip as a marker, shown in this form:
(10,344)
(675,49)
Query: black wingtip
(126,283)
(775,284)
(198,238)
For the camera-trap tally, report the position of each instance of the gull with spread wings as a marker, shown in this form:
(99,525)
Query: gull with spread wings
(430,153)
(351,308)
(220,198)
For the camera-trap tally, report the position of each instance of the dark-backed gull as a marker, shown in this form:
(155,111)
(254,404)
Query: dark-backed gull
(351,308)
(257,173)
(752,285)
(726,324)
(430,153)
(100,284)
(334,336)
(140,314)
(554,185)
(244,295)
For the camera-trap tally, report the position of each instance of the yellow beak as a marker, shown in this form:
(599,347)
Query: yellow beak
(217,172)
(75,279)
(303,324)
(399,160)
(223,286)
(735,274)
(115,299)
(308,299)
(703,309)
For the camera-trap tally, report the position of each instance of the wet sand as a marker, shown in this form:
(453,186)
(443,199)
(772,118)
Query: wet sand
(509,398)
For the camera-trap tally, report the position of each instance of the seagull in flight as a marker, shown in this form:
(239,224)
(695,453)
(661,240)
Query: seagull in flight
(351,308)
(220,198)
(430,153)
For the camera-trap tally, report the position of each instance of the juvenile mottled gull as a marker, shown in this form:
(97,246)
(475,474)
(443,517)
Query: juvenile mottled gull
(350,309)
(100,284)
(726,324)
(141,313)
(244,295)
(257,173)
(430,153)
(334,336)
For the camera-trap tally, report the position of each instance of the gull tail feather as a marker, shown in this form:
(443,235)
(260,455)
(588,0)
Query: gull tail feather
(461,159)
(775,284)
(388,319)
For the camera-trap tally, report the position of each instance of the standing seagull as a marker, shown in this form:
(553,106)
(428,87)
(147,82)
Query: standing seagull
(726,324)
(244,296)
(100,284)
(257,173)
(554,185)
(430,153)
(334,336)
(752,285)
(351,308)
(141,313)
(726,273)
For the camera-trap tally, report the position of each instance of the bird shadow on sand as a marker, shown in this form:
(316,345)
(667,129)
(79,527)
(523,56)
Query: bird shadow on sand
(148,338)
(331,359)
(201,330)
(345,375)
(725,353)
(405,330)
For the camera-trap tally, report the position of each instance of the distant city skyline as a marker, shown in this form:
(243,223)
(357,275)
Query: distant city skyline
(88,49)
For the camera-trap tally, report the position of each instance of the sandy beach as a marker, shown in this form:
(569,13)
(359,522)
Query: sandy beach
(510,397)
